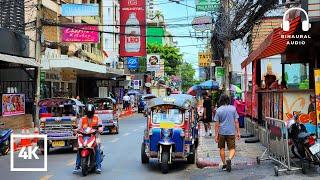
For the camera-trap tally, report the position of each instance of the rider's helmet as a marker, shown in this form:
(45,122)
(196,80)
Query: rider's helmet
(89,110)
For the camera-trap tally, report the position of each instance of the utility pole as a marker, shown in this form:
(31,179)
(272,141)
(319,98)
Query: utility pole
(38,59)
(227,53)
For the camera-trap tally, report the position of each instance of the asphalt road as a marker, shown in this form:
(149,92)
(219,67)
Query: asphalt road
(122,160)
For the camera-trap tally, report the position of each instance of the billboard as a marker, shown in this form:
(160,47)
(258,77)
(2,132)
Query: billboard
(153,34)
(202,23)
(13,104)
(80,10)
(207,5)
(80,33)
(133,28)
(153,62)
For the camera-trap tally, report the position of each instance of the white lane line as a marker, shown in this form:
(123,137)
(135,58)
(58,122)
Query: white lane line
(135,130)
(115,140)
(46,177)
(142,126)
(126,134)
(71,163)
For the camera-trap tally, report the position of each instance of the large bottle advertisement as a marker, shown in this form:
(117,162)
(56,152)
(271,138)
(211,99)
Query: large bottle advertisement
(132,28)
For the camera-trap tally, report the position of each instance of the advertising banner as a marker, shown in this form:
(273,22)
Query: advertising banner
(133,28)
(219,75)
(207,5)
(133,63)
(204,59)
(80,33)
(13,104)
(136,84)
(80,10)
(153,62)
(160,73)
(317,95)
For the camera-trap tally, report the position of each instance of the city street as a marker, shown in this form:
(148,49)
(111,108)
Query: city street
(122,160)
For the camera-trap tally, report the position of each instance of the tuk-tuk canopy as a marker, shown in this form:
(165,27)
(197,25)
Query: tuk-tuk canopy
(59,102)
(95,100)
(182,101)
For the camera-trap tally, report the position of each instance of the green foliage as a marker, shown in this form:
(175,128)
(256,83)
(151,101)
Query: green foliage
(171,55)
(187,76)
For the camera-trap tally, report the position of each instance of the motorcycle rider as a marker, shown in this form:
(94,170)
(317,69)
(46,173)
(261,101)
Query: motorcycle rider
(92,121)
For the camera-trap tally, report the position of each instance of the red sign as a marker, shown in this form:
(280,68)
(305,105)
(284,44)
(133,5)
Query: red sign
(133,28)
(80,33)
(13,104)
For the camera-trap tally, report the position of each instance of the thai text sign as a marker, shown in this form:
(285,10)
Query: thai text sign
(202,23)
(207,5)
(80,10)
(204,59)
(13,104)
(133,29)
(80,33)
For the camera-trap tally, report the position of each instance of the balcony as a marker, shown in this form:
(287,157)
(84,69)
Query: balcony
(93,53)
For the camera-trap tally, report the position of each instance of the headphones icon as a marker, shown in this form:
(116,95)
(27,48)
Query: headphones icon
(286,24)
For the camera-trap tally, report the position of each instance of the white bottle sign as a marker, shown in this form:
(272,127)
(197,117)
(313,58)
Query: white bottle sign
(132,43)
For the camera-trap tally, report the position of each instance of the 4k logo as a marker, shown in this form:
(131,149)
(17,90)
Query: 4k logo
(28,152)
(19,161)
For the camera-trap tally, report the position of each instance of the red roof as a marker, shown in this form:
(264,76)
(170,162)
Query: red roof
(273,44)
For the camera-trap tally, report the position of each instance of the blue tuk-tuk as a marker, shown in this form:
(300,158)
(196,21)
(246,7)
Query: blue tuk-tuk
(172,130)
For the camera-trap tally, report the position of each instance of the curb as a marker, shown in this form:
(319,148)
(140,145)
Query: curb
(210,163)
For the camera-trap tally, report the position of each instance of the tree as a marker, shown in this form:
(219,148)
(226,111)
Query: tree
(187,76)
(171,55)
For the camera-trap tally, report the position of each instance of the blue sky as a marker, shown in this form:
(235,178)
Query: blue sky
(173,10)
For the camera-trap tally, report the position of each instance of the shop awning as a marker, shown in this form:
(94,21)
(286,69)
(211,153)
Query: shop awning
(273,44)
(19,60)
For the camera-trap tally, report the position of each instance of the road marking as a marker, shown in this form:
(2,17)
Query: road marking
(115,140)
(126,134)
(135,130)
(71,163)
(142,126)
(46,177)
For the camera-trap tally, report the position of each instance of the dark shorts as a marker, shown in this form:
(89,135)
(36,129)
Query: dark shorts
(229,139)
(207,120)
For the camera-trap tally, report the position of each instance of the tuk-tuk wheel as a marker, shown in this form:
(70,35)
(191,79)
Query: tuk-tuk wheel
(144,157)
(165,162)
(191,159)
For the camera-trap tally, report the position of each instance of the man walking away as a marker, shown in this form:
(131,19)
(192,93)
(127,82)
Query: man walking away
(226,130)
(207,113)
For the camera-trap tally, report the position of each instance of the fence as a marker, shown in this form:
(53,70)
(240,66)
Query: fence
(277,146)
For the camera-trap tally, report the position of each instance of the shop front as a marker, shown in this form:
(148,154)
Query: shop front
(284,86)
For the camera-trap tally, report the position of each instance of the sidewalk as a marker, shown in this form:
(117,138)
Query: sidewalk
(208,152)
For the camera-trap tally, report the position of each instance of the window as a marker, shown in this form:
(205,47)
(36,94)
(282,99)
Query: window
(297,76)
(167,115)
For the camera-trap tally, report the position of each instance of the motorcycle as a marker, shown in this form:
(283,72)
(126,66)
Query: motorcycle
(304,145)
(5,140)
(87,145)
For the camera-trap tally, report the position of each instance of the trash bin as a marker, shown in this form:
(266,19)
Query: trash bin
(241,121)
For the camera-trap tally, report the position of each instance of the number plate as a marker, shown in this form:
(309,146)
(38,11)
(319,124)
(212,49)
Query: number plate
(58,143)
(315,148)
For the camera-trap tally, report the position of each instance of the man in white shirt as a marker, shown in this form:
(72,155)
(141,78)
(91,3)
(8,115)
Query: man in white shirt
(126,101)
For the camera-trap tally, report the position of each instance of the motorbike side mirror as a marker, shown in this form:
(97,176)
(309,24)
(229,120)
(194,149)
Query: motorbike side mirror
(1,123)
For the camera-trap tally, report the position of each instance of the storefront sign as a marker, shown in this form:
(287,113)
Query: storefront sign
(42,76)
(80,10)
(207,5)
(133,31)
(219,75)
(102,83)
(136,84)
(202,23)
(80,33)
(133,63)
(204,59)
(13,104)
(317,95)
(68,75)
(153,62)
